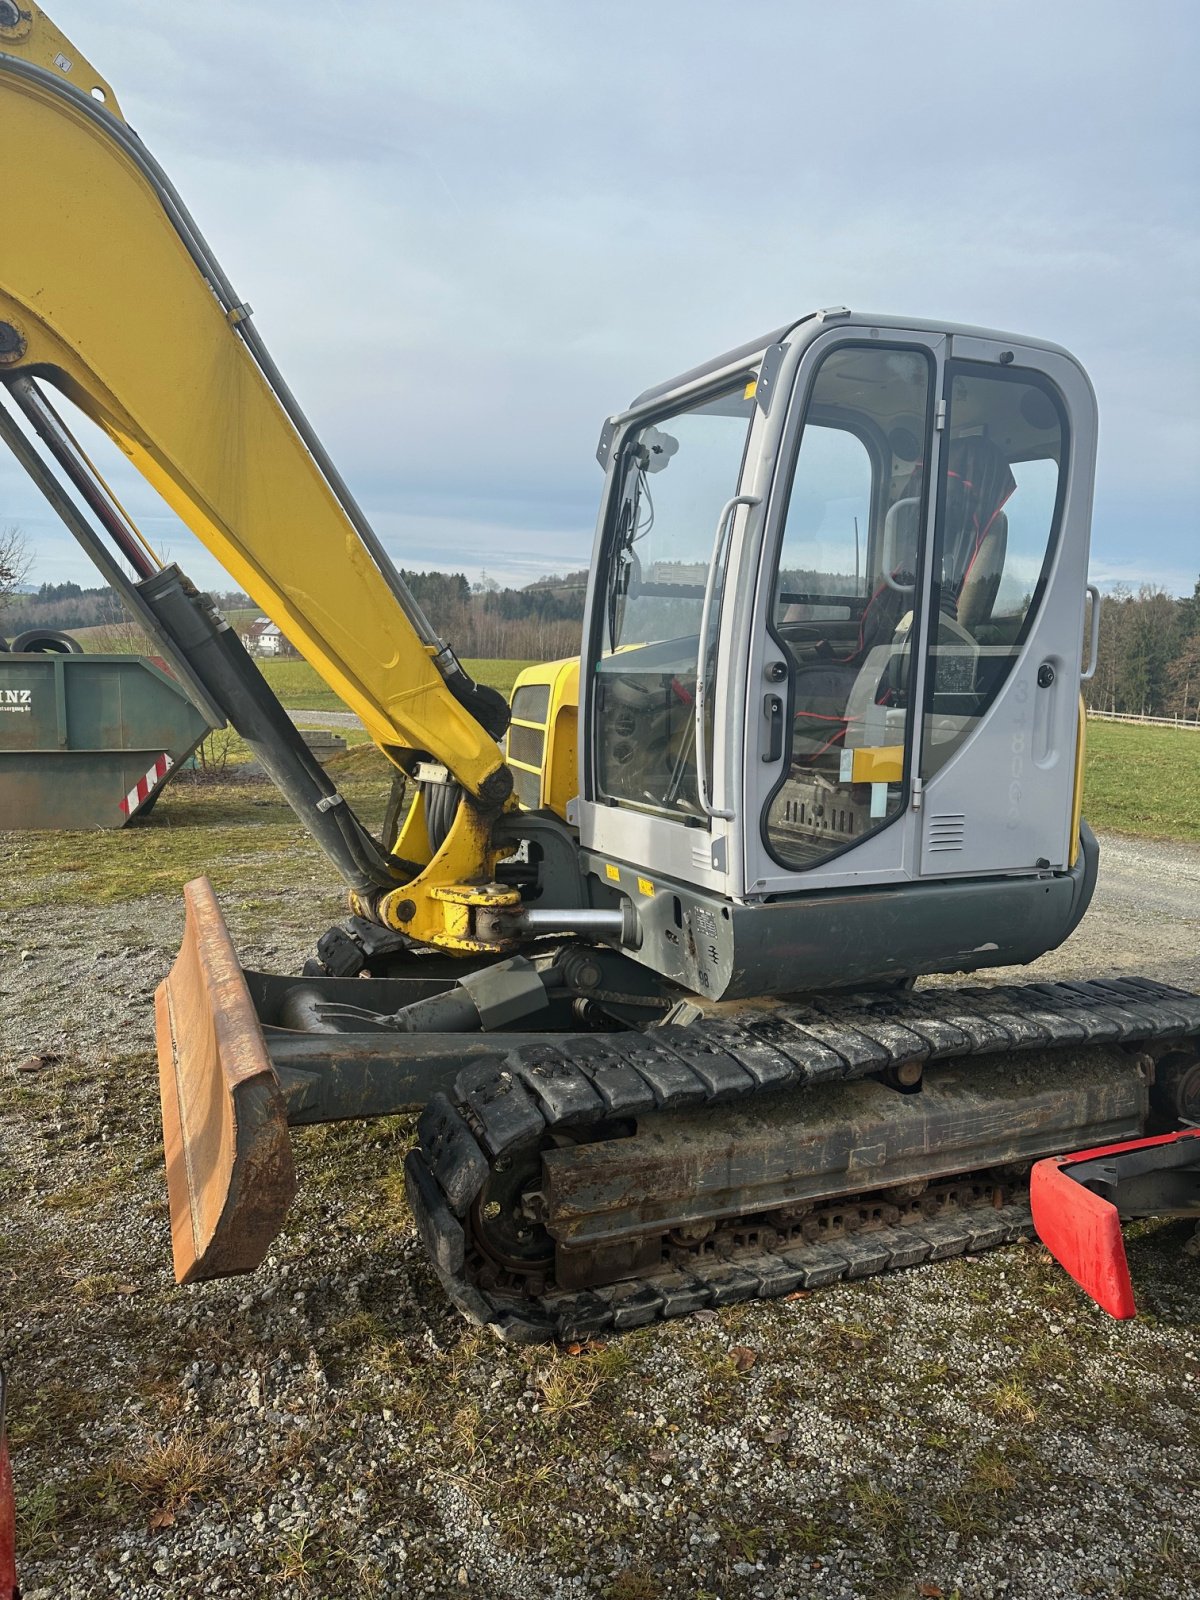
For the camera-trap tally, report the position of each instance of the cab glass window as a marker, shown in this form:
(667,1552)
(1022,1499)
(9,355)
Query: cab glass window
(844,597)
(678,472)
(997,524)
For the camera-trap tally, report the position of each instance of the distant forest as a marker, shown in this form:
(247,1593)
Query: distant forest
(1149,655)
(1149,661)
(539,623)
(68,605)
(542,622)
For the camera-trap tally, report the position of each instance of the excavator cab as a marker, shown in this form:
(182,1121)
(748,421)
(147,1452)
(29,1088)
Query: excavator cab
(833,647)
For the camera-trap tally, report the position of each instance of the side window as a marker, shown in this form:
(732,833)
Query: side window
(680,470)
(843,599)
(997,523)
(831,495)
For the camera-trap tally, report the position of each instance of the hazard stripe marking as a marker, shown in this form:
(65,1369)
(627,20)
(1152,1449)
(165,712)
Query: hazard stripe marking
(145,786)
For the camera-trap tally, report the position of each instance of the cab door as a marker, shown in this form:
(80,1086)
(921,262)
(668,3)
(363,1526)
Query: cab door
(1009,565)
(655,792)
(836,661)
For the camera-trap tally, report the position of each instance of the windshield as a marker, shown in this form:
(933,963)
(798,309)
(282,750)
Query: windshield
(680,470)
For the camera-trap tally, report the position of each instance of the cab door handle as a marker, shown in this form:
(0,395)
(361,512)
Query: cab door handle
(1089,672)
(773,711)
(700,706)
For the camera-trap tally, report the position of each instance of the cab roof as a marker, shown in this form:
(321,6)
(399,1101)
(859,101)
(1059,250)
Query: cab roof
(831,315)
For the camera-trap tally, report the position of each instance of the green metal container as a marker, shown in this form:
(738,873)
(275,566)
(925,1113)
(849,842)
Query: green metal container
(88,741)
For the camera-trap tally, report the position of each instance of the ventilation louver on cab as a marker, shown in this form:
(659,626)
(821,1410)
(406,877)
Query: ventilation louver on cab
(946,831)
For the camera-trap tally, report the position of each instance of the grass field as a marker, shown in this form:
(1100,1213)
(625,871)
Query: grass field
(234,829)
(1143,780)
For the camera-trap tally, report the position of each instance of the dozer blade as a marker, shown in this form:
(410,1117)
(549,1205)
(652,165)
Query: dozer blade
(1078,1202)
(230,1178)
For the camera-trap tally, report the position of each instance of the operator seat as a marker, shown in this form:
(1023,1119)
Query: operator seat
(981,585)
(979,482)
(823,687)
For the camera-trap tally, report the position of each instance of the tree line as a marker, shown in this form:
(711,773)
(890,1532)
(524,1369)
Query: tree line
(539,623)
(542,622)
(1149,656)
(1148,663)
(70,605)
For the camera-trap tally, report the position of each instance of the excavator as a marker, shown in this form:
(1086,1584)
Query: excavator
(645,946)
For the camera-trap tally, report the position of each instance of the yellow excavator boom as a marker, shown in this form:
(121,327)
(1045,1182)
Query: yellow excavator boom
(109,293)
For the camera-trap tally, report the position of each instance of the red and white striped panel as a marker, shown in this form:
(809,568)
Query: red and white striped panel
(145,787)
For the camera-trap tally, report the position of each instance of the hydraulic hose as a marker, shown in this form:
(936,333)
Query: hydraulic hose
(441,807)
(217,657)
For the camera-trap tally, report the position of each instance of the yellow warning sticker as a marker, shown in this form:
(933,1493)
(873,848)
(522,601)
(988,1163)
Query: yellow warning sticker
(748,391)
(645,886)
(612,872)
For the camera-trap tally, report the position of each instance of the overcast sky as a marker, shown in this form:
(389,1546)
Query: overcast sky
(471,229)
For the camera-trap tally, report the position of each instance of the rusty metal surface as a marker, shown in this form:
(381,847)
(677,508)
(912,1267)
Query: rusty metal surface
(230,1177)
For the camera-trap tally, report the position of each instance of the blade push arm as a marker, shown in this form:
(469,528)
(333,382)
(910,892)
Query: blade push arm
(108,292)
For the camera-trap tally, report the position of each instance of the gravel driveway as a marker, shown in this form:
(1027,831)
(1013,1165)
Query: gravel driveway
(325,719)
(969,1429)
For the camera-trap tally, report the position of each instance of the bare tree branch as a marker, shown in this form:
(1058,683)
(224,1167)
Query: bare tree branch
(16,562)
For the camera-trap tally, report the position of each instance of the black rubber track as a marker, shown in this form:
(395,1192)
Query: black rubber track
(541,1089)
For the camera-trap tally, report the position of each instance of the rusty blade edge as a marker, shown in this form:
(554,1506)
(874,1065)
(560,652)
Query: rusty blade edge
(230,1177)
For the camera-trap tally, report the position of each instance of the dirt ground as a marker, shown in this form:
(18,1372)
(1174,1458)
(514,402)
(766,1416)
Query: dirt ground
(327,1427)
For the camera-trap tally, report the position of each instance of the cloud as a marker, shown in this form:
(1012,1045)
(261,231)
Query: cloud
(472,230)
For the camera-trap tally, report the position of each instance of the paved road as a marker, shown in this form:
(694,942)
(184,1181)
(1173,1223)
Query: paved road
(325,719)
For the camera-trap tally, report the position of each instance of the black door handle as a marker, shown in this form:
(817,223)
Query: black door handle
(773,711)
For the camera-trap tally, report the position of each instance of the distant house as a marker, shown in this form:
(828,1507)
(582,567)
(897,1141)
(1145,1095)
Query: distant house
(262,638)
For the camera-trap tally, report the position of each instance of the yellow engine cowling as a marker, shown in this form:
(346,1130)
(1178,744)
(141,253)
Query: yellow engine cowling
(542,744)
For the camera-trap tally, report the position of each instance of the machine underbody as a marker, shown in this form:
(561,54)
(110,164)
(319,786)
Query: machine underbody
(567,1183)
